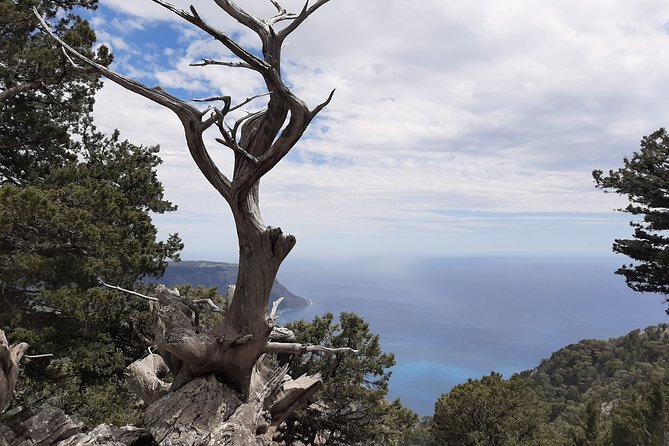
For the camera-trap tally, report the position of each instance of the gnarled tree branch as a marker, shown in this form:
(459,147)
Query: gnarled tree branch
(234,47)
(294,348)
(189,115)
(306,12)
(259,141)
(16,90)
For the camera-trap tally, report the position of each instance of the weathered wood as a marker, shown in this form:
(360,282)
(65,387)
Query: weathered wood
(10,359)
(264,139)
(106,435)
(50,426)
(225,390)
(294,393)
(144,378)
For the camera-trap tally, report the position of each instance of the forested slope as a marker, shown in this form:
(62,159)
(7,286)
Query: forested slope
(603,369)
(591,393)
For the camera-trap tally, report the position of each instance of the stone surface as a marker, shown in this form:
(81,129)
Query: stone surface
(47,427)
(105,435)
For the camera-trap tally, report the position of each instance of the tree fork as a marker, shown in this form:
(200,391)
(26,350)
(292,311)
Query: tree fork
(232,355)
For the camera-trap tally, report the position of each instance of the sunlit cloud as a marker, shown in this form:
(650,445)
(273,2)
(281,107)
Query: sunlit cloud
(498,108)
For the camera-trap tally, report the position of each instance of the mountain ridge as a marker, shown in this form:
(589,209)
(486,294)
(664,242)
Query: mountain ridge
(221,274)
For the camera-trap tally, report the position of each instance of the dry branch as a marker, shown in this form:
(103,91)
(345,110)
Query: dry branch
(195,19)
(275,307)
(232,352)
(206,62)
(294,348)
(123,290)
(301,17)
(16,90)
(189,115)
(211,305)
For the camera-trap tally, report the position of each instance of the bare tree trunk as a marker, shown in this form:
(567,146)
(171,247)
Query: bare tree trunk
(225,391)
(261,251)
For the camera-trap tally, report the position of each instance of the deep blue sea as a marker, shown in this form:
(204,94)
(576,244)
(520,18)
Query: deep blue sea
(450,319)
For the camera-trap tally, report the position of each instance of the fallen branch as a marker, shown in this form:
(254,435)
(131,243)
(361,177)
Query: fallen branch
(294,348)
(45,355)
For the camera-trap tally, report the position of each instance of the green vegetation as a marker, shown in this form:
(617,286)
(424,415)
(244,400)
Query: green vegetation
(43,99)
(596,387)
(490,411)
(75,205)
(351,407)
(592,393)
(643,179)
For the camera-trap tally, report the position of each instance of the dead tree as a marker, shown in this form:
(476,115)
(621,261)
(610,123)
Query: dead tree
(231,355)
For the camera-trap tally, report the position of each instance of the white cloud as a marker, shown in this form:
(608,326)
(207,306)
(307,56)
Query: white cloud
(498,107)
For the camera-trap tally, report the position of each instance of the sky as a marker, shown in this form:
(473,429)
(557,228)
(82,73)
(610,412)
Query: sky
(458,128)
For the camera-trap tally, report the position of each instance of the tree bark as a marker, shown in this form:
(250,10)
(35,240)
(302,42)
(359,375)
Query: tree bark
(225,391)
(10,359)
(16,90)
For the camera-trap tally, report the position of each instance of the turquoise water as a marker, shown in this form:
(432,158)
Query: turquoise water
(448,320)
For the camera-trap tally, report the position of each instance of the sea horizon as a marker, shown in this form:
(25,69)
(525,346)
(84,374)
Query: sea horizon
(451,319)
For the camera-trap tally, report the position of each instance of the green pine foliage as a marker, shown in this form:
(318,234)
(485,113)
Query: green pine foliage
(351,408)
(490,411)
(643,419)
(83,220)
(644,179)
(602,369)
(43,99)
(599,390)
(76,205)
(419,434)
(592,393)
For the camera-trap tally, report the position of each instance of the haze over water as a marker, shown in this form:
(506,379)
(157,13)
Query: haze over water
(449,319)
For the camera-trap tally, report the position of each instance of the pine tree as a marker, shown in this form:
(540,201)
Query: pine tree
(75,205)
(644,179)
(351,407)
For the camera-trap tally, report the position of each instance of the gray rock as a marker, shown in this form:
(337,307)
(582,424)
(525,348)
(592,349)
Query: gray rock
(46,427)
(105,435)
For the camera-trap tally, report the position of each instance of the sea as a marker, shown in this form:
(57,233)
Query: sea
(451,319)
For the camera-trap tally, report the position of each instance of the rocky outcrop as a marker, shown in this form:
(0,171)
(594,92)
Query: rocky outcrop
(50,426)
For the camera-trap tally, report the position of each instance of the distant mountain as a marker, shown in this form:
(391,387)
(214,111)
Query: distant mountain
(221,275)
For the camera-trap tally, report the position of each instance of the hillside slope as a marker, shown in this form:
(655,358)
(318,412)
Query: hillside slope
(219,274)
(602,370)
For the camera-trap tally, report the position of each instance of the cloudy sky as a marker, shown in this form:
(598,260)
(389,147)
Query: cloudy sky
(458,127)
